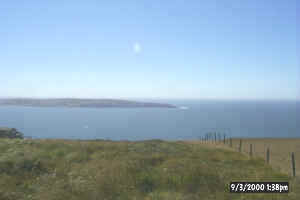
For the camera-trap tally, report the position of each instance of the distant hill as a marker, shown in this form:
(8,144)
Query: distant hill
(73,102)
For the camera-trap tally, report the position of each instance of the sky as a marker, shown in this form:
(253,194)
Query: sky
(194,49)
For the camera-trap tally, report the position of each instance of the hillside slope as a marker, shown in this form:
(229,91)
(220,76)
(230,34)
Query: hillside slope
(149,170)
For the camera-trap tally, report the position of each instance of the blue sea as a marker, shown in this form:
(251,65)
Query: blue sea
(192,120)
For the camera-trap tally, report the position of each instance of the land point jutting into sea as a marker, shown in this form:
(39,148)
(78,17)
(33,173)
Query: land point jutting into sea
(76,102)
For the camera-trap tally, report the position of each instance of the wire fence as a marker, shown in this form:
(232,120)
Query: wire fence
(279,153)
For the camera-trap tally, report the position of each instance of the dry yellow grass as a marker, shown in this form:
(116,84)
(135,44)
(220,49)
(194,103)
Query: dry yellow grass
(280,150)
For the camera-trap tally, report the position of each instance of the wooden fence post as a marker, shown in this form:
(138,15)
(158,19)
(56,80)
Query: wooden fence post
(293,164)
(240,149)
(251,150)
(215,137)
(224,139)
(230,142)
(268,155)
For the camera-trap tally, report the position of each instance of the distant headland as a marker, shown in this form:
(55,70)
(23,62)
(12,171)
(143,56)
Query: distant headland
(76,102)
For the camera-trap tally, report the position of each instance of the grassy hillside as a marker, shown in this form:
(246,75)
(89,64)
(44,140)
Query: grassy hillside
(147,170)
(280,151)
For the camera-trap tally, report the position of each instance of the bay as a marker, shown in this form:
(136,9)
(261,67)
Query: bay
(191,120)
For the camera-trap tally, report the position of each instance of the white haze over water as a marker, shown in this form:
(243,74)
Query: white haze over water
(183,107)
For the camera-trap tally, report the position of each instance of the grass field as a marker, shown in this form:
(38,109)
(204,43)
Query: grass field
(145,170)
(280,151)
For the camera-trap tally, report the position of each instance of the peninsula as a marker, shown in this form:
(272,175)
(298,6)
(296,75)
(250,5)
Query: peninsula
(74,102)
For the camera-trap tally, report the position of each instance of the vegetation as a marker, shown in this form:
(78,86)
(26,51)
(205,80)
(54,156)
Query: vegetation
(280,151)
(146,170)
(10,133)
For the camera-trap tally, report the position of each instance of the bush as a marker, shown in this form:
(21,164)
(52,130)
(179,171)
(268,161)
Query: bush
(10,133)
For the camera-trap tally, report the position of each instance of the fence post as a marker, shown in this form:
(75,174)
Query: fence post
(215,137)
(224,139)
(268,155)
(240,149)
(230,141)
(293,164)
(251,150)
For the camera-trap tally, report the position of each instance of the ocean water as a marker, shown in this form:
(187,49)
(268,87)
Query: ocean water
(191,120)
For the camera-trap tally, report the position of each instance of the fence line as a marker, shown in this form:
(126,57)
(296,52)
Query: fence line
(216,138)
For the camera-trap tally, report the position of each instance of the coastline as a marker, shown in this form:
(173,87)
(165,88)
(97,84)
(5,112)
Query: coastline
(81,103)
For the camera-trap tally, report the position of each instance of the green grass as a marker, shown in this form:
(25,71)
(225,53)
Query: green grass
(146,170)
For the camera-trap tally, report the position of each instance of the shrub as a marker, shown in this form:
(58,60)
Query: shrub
(10,133)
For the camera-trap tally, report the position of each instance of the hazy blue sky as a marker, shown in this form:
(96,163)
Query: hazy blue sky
(149,49)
